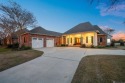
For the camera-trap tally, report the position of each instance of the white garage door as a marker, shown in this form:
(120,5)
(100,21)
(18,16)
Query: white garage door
(50,43)
(37,42)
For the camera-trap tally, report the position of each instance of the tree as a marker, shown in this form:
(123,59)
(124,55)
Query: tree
(109,30)
(14,18)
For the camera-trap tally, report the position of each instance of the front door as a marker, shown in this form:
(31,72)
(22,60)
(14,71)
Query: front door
(77,41)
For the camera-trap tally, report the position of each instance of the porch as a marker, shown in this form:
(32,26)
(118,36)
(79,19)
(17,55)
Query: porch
(77,39)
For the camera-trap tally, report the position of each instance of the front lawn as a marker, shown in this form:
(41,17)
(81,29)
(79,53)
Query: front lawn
(9,58)
(3,49)
(101,69)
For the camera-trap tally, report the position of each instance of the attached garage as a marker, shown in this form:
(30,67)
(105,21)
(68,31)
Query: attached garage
(49,42)
(37,42)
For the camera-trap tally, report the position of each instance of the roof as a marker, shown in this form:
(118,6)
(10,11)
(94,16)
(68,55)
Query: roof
(41,30)
(99,29)
(84,27)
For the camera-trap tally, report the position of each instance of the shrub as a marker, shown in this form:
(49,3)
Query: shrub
(62,44)
(92,46)
(83,46)
(112,44)
(121,43)
(9,46)
(100,46)
(107,45)
(13,46)
(23,47)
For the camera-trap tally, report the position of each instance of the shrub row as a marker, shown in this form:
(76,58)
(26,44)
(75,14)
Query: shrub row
(64,45)
(15,46)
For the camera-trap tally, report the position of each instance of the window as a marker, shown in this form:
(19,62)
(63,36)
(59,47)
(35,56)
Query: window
(101,39)
(86,39)
(92,39)
(34,38)
(24,40)
(108,41)
(71,40)
(40,38)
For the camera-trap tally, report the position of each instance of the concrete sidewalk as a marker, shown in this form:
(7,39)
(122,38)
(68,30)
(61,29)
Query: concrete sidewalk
(57,65)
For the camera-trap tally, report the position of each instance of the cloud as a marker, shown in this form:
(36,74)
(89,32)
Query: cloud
(119,35)
(118,10)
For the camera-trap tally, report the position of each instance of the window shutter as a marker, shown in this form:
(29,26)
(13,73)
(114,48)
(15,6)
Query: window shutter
(86,39)
(92,39)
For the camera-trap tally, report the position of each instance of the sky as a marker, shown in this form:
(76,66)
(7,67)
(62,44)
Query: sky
(61,15)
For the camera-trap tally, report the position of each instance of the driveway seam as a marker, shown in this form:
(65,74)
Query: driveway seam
(85,51)
(62,58)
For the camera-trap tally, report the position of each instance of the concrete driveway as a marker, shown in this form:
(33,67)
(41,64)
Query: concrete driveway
(57,65)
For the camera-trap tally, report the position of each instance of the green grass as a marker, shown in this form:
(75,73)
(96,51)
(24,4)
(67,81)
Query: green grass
(100,69)
(3,49)
(9,58)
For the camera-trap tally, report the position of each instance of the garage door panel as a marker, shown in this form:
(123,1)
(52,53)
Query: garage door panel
(50,43)
(37,42)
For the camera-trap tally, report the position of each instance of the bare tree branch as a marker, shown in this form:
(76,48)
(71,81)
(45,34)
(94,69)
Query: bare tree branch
(15,18)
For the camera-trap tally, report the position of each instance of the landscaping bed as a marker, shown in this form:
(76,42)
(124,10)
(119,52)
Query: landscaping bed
(101,69)
(10,58)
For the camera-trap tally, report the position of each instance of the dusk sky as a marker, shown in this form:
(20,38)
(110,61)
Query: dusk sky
(61,15)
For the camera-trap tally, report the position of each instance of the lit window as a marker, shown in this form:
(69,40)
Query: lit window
(108,41)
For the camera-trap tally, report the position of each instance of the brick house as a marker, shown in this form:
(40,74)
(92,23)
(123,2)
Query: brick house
(83,33)
(86,33)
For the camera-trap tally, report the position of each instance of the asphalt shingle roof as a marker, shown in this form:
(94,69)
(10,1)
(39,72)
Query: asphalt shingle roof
(99,29)
(41,30)
(84,27)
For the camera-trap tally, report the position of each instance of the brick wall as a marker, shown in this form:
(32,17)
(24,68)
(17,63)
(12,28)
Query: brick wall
(26,39)
(104,40)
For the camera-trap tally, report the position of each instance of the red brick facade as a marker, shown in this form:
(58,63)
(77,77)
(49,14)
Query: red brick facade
(26,39)
(102,40)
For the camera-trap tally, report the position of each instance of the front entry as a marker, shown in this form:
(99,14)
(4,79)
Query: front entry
(77,41)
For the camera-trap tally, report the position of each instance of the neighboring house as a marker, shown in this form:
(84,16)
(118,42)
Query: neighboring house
(40,37)
(85,33)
